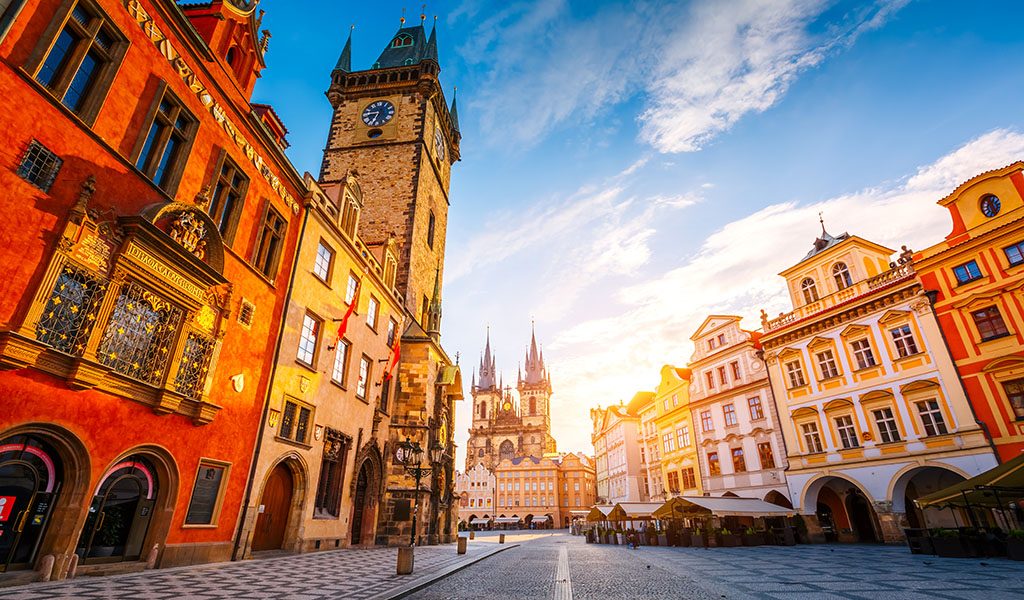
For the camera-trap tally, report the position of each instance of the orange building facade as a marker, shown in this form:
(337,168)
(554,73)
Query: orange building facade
(152,220)
(976,276)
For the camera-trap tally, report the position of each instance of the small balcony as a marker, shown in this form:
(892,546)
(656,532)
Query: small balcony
(861,288)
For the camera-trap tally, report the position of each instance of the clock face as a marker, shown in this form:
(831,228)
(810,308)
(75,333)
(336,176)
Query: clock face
(990,205)
(507,405)
(439,144)
(378,113)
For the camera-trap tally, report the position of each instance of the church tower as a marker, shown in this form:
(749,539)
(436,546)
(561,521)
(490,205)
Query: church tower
(534,388)
(393,126)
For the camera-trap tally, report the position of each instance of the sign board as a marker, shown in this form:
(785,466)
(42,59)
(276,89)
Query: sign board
(6,506)
(205,493)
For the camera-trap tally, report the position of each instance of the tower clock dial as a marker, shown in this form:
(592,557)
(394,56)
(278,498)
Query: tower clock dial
(378,113)
(507,406)
(439,144)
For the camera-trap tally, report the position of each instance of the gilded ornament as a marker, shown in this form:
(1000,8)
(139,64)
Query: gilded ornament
(189,231)
(206,318)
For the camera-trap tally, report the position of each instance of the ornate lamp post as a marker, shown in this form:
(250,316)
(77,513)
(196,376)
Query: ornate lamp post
(409,454)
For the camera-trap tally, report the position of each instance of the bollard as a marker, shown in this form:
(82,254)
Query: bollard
(405,560)
(154,552)
(472,535)
(501,538)
(46,567)
(73,567)
(463,542)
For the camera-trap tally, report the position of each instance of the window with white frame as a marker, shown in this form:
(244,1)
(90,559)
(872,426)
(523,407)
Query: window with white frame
(809,290)
(903,338)
(324,260)
(729,412)
(350,288)
(812,438)
(683,436)
(795,374)
(827,364)
(1015,394)
(669,443)
(756,409)
(847,432)
(371,312)
(863,353)
(841,273)
(340,362)
(308,338)
(706,422)
(364,376)
(888,431)
(931,417)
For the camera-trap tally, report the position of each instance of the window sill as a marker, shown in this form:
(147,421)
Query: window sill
(321,280)
(831,379)
(995,338)
(200,526)
(917,354)
(306,366)
(338,384)
(964,284)
(292,442)
(867,368)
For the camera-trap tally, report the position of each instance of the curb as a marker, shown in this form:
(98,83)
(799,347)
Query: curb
(415,586)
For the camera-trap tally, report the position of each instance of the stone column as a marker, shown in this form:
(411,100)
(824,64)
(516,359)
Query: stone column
(892,525)
(815,534)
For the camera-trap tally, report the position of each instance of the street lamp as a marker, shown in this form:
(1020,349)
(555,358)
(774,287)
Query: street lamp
(409,454)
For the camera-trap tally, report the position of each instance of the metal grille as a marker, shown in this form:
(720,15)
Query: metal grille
(195,364)
(70,312)
(39,166)
(246,312)
(139,337)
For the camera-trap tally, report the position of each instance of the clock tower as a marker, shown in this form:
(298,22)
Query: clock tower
(393,126)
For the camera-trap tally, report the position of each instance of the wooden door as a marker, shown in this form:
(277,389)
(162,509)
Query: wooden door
(275,504)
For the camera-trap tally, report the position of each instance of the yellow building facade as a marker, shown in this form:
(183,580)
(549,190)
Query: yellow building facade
(870,406)
(676,437)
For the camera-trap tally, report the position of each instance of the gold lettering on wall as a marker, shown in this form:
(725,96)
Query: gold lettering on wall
(154,265)
(186,73)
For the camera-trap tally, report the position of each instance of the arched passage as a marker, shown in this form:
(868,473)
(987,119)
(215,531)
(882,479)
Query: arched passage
(60,467)
(777,498)
(843,510)
(921,481)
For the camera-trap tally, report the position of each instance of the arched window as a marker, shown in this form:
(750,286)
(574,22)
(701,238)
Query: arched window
(533,405)
(480,453)
(483,410)
(402,41)
(507,450)
(841,274)
(810,290)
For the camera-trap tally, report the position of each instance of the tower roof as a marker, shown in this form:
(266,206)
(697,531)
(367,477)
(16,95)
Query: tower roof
(345,60)
(487,366)
(825,240)
(534,361)
(408,46)
(454,112)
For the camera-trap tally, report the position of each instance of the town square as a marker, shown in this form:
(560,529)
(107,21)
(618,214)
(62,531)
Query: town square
(539,299)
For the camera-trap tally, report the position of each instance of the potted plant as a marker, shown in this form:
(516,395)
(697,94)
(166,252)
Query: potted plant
(697,539)
(949,544)
(752,537)
(1015,544)
(727,539)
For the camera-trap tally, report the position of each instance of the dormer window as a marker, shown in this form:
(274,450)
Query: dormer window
(841,274)
(402,41)
(810,290)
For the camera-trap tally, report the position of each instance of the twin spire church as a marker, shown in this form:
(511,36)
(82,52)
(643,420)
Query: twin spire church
(506,426)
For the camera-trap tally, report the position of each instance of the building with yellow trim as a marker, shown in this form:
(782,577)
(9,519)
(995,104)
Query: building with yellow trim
(615,435)
(870,405)
(680,471)
(650,452)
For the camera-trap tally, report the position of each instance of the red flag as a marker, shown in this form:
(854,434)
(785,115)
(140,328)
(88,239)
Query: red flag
(348,313)
(396,351)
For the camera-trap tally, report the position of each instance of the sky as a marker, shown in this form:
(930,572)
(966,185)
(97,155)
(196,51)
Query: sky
(631,167)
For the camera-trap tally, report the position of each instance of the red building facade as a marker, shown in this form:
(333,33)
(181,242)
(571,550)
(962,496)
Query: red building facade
(150,231)
(976,276)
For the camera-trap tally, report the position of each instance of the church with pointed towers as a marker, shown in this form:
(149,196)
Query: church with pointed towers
(507,425)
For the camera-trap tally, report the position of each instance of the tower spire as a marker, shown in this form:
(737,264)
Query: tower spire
(454,111)
(434,317)
(345,60)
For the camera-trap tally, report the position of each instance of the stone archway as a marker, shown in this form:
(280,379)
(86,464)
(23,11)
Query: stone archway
(918,481)
(282,496)
(840,509)
(777,498)
(364,505)
(71,478)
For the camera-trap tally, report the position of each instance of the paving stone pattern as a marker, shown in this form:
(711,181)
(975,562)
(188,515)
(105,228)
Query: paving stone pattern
(350,573)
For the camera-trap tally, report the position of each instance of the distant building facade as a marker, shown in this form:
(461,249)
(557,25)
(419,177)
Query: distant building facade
(543,492)
(740,444)
(616,433)
(676,436)
(476,493)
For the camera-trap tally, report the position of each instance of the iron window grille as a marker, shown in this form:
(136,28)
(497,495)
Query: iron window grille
(70,312)
(39,166)
(140,336)
(295,422)
(194,366)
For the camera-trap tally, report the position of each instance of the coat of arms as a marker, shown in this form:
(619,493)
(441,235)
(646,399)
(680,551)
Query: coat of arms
(189,231)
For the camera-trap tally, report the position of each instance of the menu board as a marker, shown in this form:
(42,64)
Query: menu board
(205,494)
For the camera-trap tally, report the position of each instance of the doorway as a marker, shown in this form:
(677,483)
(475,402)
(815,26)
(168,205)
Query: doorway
(359,505)
(275,505)
(860,516)
(120,513)
(29,485)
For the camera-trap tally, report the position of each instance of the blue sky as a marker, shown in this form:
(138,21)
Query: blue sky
(628,168)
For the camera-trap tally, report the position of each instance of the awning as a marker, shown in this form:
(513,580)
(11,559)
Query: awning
(538,519)
(729,506)
(579,513)
(479,521)
(507,520)
(629,511)
(451,377)
(599,512)
(1005,481)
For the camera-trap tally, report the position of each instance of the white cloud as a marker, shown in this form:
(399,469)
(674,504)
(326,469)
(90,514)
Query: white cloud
(698,66)
(603,360)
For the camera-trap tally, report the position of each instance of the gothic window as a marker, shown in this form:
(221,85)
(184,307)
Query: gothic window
(332,467)
(430,230)
(140,335)
(533,405)
(480,453)
(402,41)
(841,274)
(810,290)
(228,196)
(483,410)
(506,450)
(70,311)
(350,216)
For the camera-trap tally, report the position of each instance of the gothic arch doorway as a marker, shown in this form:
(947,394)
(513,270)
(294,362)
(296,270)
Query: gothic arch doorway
(275,504)
(506,450)
(30,481)
(120,513)
(362,517)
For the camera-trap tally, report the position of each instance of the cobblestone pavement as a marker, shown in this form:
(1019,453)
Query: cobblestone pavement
(350,573)
(602,572)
